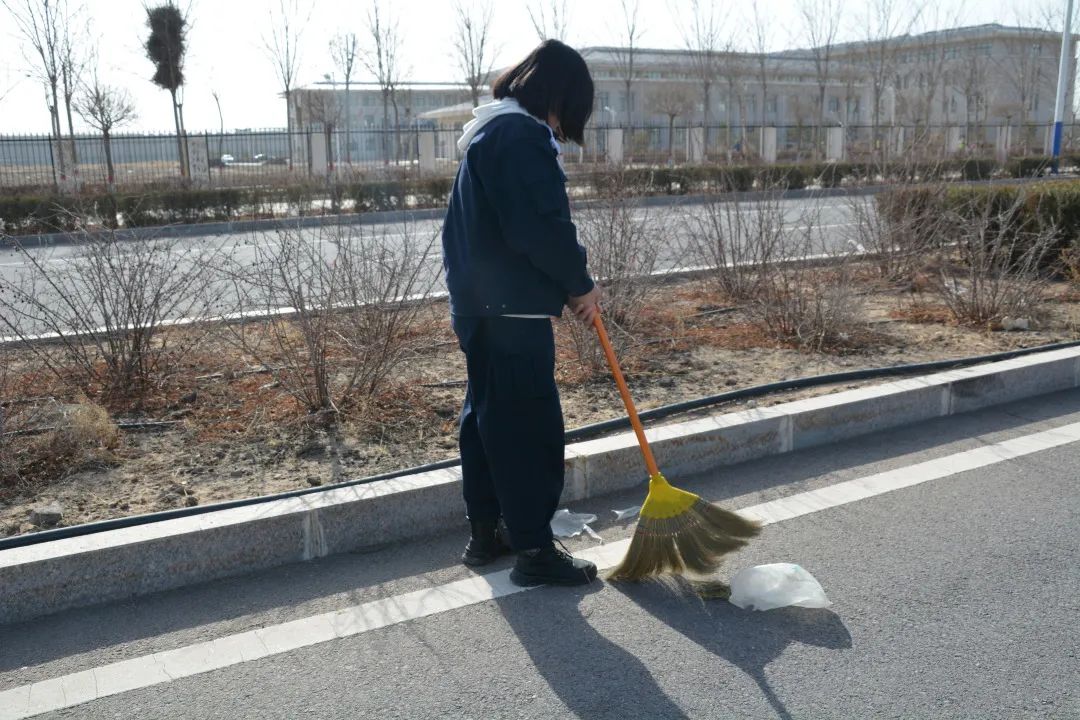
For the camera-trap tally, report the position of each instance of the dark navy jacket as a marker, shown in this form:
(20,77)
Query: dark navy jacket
(509,247)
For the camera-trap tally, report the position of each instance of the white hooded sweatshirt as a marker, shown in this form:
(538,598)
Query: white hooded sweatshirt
(484,114)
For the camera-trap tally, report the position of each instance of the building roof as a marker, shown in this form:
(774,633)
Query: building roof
(453,112)
(374,86)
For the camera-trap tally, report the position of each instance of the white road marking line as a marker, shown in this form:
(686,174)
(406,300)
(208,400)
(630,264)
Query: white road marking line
(158,668)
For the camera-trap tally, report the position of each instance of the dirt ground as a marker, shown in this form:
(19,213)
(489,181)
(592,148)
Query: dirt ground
(235,434)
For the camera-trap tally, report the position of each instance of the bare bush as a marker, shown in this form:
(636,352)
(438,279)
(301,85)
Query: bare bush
(736,240)
(902,231)
(99,316)
(338,308)
(624,249)
(808,299)
(995,268)
(54,440)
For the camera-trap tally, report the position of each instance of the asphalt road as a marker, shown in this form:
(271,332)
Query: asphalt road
(955,598)
(827,222)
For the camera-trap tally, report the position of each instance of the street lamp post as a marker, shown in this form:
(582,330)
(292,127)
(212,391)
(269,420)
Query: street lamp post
(1063,74)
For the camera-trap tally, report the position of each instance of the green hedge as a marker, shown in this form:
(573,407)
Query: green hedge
(1052,207)
(28,213)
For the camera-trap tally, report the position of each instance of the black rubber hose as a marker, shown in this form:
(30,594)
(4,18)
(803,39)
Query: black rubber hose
(582,433)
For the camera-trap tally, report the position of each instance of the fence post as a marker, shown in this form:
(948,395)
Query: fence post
(834,144)
(198,152)
(1003,142)
(319,163)
(768,144)
(426,142)
(615,146)
(695,144)
(954,139)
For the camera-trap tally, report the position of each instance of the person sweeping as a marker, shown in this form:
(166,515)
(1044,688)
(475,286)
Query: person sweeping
(512,263)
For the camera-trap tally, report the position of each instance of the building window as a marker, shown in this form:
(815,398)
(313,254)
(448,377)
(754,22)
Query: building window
(771,104)
(834,105)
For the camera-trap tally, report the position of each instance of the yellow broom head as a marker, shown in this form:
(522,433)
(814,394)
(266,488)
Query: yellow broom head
(680,533)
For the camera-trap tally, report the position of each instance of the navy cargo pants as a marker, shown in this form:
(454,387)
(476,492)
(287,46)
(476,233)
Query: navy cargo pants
(511,426)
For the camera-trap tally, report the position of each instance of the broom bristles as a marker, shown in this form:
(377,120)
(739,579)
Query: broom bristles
(693,541)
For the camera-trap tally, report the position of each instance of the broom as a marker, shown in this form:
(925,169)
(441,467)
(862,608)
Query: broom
(677,531)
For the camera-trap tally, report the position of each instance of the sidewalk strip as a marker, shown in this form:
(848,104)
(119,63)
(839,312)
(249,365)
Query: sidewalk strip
(158,668)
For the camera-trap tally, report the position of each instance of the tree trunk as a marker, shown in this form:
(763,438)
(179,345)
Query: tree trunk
(179,137)
(386,126)
(57,131)
(671,139)
(184,144)
(705,125)
(397,129)
(110,174)
(348,127)
(289,125)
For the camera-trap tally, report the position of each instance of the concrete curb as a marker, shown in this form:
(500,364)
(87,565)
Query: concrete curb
(53,576)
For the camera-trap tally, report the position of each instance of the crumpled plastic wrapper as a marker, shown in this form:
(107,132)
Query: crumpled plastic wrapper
(628,513)
(766,587)
(566,524)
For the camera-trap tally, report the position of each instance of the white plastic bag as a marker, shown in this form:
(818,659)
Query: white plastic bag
(766,587)
(566,524)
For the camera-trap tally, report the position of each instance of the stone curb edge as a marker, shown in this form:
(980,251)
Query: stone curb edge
(49,577)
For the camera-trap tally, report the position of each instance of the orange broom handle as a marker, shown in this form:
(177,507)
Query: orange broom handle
(613,363)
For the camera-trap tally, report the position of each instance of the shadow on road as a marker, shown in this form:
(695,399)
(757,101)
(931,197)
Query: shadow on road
(748,640)
(593,676)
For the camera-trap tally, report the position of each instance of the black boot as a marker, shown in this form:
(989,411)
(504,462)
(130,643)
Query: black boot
(551,565)
(487,544)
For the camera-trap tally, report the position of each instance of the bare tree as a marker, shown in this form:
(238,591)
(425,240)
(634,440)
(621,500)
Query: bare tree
(625,55)
(73,63)
(41,24)
(701,34)
(973,78)
(883,21)
(550,19)
(761,40)
(674,101)
(733,71)
(166,47)
(821,25)
(345,51)
(323,108)
(287,25)
(472,44)
(381,58)
(105,108)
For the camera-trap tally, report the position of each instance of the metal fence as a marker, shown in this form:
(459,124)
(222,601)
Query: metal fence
(272,157)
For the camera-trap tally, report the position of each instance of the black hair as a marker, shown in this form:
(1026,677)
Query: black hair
(552,79)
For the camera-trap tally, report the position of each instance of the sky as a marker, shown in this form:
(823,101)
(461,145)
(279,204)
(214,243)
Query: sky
(227,53)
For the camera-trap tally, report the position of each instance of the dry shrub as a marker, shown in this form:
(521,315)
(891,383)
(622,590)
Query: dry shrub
(808,300)
(334,310)
(108,305)
(73,438)
(899,229)
(736,240)
(997,267)
(624,249)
